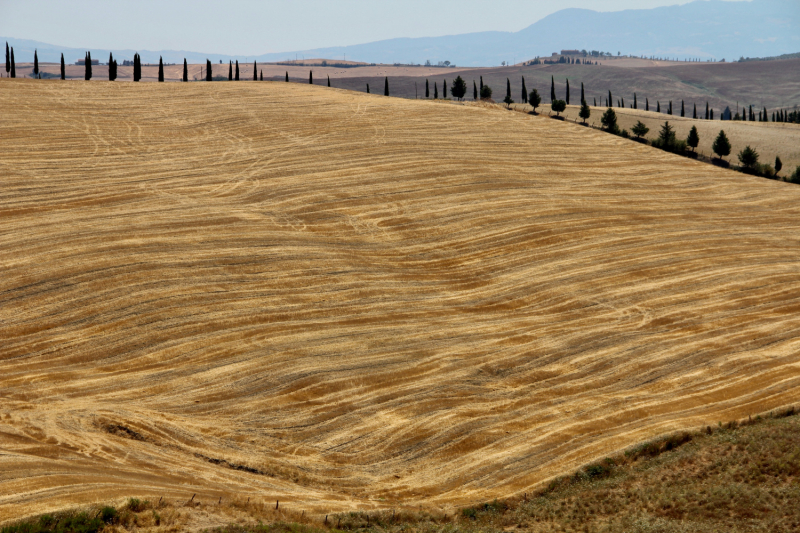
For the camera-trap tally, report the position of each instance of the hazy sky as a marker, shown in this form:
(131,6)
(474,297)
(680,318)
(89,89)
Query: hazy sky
(250,27)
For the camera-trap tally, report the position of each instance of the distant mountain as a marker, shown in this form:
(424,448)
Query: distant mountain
(702,29)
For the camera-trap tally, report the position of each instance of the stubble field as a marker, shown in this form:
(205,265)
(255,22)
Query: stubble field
(277,291)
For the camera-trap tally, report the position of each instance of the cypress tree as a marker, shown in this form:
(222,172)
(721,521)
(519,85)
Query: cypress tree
(368,88)
(13,64)
(116,70)
(185,70)
(583,97)
(610,100)
(63,68)
(706,110)
(474,90)
(552,90)
(444,90)
(35,62)
(230,70)
(160,69)
(386,87)
(8,60)
(481,82)
(88,70)
(683,112)
(595,102)
(646,104)
(567,91)
(435,91)
(765,115)
(635,103)
(329,80)
(622,102)
(255,71)
(237,70)
(524,92)
(694,113)
(712,114)
(427,89)
(262,75)
(209,76)
(311,77)
(773,116)
(287,77)
(110,67)
(508,88)
(658,106)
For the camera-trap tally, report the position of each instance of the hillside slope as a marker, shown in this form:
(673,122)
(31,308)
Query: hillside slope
(340,300)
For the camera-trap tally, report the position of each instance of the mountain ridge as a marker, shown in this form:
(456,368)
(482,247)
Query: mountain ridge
(703,29)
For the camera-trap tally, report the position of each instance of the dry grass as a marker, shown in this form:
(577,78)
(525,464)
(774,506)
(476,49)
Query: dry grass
(770,139)
(734,477)
(352,302)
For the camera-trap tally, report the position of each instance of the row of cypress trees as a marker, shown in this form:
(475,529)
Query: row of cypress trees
(777,116)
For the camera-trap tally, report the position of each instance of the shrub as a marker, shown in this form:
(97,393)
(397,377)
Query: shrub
(137,506)
(625,134)
(767,171)
(795,177)
(486,92)
(108,514)
(558,106)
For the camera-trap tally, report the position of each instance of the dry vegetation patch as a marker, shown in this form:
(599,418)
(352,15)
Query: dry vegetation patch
(770,139)
(351,302)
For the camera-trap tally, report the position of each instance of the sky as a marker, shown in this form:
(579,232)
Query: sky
(253,27)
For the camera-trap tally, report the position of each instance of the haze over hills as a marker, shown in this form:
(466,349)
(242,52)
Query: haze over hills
(702,29)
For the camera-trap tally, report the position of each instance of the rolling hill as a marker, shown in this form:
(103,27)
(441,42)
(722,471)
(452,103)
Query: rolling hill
(345,301)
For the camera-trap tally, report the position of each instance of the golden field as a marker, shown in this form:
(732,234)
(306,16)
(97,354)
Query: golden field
(345,301)
(770,139)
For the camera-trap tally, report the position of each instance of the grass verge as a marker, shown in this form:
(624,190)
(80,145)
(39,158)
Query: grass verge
(741,476)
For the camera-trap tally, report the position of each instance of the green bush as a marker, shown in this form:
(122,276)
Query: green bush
(137,506)
(795,177)
(74,523)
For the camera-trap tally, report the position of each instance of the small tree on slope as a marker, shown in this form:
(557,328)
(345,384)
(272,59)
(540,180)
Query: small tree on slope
(721,146)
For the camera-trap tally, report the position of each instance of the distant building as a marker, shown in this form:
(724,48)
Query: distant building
(83,62)
(726,115)
(571,53)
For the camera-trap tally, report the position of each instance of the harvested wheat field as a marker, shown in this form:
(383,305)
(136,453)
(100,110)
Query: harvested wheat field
(338,300)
